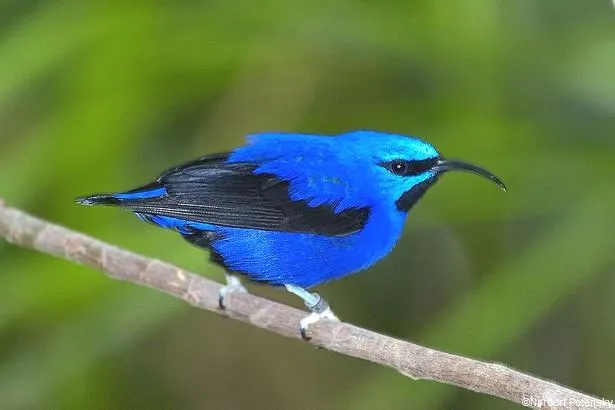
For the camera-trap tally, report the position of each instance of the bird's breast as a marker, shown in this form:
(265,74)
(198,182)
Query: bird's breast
(308,259)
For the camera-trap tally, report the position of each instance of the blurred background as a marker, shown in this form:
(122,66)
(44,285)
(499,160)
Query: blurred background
(103,96)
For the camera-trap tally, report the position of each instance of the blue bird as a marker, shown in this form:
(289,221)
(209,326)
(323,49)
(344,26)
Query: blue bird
(294,210)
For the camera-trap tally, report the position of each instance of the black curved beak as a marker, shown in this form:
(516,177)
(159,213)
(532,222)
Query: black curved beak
(444,165)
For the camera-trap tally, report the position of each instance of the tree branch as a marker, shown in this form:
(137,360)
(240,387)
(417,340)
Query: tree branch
(411,360)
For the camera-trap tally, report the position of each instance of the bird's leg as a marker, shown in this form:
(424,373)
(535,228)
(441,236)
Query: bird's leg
(316,304)
(233,285)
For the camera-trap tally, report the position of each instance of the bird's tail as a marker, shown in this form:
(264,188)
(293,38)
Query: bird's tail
(149,191)
(98,199)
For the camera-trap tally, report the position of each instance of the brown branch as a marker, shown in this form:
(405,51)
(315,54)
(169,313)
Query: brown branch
(411,360)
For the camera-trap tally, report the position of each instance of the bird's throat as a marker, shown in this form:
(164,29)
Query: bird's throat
(411,197)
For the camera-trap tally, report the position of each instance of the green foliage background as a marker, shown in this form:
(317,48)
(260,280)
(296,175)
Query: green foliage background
(102,96)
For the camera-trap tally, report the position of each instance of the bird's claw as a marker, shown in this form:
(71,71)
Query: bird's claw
(233,285)
(317,305)
(314,317)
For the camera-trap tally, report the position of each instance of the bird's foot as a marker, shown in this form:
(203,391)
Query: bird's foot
(314,317)
(316,304)
(233,285)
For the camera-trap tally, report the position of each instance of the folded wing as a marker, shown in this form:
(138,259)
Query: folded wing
(215,192)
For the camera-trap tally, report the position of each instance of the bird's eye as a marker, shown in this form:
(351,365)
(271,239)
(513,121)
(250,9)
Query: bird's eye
(399,167)
(405,168)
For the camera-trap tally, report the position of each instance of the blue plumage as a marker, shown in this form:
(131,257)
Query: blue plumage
(295,209)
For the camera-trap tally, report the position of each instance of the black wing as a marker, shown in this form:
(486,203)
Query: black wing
(212,191)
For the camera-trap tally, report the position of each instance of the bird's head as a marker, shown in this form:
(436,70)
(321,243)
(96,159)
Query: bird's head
(404,167)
